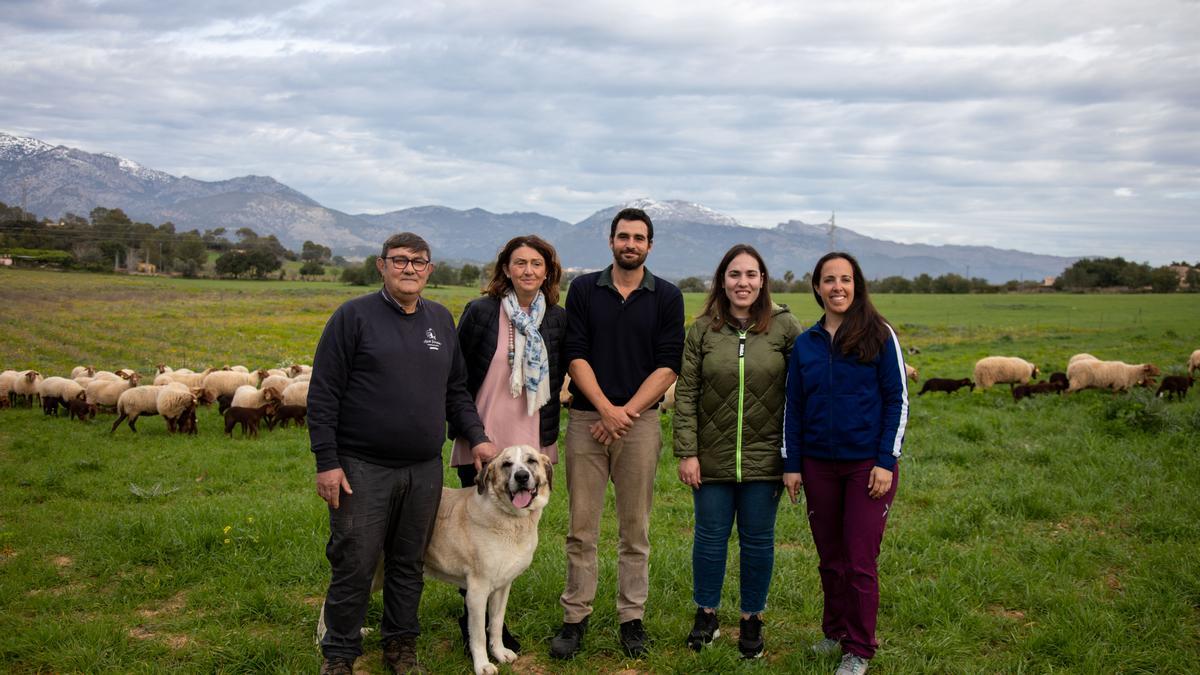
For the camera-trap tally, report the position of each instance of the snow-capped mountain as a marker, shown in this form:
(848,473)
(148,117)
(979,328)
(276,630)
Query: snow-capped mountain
(13,148)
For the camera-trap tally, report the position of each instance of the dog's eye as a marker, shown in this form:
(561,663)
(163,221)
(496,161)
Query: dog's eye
(506,463)
(530,460)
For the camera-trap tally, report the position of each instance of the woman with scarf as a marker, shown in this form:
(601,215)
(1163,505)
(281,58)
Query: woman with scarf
(512,339)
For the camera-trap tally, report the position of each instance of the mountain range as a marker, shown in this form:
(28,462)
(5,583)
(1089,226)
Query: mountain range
(51,181)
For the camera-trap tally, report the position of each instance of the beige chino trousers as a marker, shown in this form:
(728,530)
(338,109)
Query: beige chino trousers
(630,463)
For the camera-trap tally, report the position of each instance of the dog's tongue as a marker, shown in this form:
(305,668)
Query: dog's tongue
(522,498)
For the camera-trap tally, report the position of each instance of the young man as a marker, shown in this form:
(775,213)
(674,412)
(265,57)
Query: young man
(387,375)
(624,349)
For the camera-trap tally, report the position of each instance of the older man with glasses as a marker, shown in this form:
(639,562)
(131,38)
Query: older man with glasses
(387,375)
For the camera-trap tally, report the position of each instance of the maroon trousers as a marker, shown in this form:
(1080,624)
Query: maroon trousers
(847,528)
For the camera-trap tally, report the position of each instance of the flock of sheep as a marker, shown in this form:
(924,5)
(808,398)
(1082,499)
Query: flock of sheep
(1084,371)
(277,396)
(243,397)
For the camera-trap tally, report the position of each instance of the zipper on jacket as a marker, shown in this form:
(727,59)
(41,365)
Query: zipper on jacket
(741,397)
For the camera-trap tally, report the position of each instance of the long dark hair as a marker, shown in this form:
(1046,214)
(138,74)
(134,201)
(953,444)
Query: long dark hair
(864,330)
(717,306)
(500,284)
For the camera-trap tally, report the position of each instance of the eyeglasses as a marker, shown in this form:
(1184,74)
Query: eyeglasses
(399,262)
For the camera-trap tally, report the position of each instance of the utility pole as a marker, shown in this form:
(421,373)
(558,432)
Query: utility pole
(832,228)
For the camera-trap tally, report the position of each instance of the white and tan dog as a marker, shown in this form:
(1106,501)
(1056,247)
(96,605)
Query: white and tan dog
(483,539)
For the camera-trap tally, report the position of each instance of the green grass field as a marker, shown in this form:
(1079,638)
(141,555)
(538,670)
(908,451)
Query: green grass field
(1057,534)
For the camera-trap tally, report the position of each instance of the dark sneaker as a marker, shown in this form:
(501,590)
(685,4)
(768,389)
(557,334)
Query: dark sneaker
(634,638)
(750,642)
(337,667)
(400,655)
(705,629)
(569,639)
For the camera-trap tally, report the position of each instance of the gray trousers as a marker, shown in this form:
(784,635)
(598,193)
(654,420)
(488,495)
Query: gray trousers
(391,513)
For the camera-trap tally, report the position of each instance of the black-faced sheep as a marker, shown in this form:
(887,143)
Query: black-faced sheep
(992,370)
(1114,375)
(247,417)
(1175,385)
(945,384)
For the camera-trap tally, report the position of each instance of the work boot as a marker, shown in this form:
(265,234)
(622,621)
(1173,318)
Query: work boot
(400,655)
(337,667)
(634,638)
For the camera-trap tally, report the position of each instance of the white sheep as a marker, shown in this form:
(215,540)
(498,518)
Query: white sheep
(106,375)
(1114,375)
(1003,369)
(1194,362)
(913,373)
(1081,357)
(83,371)
(247,396)
(190,379)
(300,369)
(107,392)
(668,402)
(135,402)
(7,379)
(280,382)
(280,372)
(26,385)
(302,377)
(296,393)
(59,390)
(177,405)
(238,369)
(225,382)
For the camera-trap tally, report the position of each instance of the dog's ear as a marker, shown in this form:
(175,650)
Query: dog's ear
(482,478)
(549,467)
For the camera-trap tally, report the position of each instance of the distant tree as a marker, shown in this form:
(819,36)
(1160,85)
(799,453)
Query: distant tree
(232,264)
(191,254)
(1193,280)
(443,274)
(892,284)
(312,252)
(1164,280)
(339,261)
(692,285)
(980,285)
(922,283)
(469,275)
(312,268)
(363,274)
(951,283)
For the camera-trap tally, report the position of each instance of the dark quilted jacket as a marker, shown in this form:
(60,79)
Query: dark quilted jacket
(478,328)
(706,399)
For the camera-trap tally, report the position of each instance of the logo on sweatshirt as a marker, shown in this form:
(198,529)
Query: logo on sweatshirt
(431,340)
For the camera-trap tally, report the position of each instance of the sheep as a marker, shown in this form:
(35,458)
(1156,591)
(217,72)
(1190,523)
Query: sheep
(7,379)
(57,391)
(183,371)
(1194,362)
(163,368)
(83,380)
(134,403)
(289,412)
(296,393)
(247,417)
(280,372)
(247,396)
(1003,369)
(25,386)
(177,406)
(302,377)
(238,369)
(1176,385)
(1114,375)
(1023,390)
(106,393)
(945,384)
(279,382)
(225,382)
(105,375)
(668,402)
(300,369)
(83,371)
(189,378)
(78,407)
(912,373)
(1060,379)
(1081,357)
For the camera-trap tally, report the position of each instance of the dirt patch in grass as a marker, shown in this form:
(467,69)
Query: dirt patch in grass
(63,561)
(141,633)
(177,641)
(314,601)
(1011,614)
(171,606)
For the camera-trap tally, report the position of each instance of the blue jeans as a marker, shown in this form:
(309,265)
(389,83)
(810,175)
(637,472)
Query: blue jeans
(717,504)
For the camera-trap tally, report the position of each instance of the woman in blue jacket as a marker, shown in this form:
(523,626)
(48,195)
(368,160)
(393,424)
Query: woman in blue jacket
(847,406)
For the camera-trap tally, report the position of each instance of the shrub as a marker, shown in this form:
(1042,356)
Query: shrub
(1140,410)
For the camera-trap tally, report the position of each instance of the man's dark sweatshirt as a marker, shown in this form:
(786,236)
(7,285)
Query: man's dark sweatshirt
(385,382)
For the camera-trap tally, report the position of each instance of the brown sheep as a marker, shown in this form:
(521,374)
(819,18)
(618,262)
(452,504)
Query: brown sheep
(247,417)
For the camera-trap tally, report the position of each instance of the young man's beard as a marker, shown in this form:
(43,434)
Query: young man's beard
(629,264)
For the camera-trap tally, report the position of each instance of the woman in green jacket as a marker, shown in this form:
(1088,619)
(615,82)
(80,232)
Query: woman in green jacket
(728,431)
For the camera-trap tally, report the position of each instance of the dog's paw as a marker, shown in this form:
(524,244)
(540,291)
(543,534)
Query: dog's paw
(485,669)
(504,655)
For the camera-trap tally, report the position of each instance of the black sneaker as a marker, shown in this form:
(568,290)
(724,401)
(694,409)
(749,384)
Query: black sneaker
(337,667)
(705,629)
(750,642)
(569,639)
(633,638)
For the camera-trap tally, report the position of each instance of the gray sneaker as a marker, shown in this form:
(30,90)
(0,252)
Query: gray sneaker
(852,664)
(827,647)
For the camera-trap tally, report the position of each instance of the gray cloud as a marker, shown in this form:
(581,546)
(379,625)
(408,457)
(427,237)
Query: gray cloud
(1061,127)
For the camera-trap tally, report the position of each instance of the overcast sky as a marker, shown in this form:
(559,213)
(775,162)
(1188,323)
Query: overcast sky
(1054,127)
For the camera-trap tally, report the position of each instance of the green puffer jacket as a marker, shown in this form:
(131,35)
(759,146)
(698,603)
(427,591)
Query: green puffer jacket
(730,414)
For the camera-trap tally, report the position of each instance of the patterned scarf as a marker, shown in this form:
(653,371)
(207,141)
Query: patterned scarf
(531,364)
